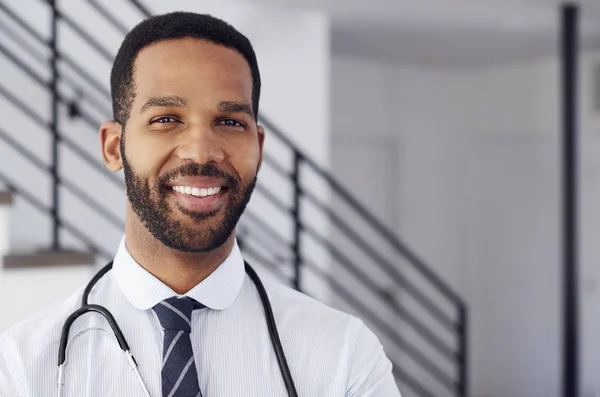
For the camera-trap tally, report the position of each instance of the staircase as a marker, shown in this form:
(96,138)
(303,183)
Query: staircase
(423,327)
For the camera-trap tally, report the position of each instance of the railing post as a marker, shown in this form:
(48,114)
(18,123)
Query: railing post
(463,368)
(54,127)
(297,247)
(570,196)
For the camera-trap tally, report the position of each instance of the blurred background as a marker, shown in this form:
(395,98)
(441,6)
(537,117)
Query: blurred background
(413,174)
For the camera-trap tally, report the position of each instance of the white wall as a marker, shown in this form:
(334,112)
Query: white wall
(293,54)
(479,200)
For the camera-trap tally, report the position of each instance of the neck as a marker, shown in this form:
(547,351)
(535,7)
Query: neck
(180,271)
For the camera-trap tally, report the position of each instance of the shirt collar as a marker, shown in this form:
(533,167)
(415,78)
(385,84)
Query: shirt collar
(218,291)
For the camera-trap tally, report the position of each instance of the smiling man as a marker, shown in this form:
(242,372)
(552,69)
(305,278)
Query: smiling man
(186,91)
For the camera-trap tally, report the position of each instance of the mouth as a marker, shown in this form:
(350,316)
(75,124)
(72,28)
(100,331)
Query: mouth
(198,192)
(199,199)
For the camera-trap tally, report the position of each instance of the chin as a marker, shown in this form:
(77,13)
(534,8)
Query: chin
(202,225)
(200,246)
(201,236)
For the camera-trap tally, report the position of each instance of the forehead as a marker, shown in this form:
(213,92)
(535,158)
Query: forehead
(193,69)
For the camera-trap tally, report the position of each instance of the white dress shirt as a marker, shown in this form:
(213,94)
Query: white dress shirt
(330,353)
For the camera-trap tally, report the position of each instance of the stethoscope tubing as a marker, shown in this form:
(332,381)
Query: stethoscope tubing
(87,308)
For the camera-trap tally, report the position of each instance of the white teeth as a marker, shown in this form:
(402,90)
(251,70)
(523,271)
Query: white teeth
(194,191)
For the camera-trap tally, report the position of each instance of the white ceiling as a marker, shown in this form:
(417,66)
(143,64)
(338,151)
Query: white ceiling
(449,33)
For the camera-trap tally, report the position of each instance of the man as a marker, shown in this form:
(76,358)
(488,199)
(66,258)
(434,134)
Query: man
(185,91)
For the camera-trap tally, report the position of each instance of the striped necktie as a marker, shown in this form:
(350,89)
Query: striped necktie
(179,376)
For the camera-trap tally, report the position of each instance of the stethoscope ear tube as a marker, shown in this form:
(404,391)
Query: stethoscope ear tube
(92,283)
(283,365)
(64,337)
(86,308)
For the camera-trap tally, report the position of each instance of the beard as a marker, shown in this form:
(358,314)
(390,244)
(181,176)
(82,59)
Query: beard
(149,202)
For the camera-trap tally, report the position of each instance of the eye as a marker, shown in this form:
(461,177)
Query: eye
(163,120)
(231,123)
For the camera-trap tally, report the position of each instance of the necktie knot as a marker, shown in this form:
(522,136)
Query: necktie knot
(176,313)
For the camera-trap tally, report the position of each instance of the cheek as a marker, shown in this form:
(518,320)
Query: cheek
(146,156)
(245,160)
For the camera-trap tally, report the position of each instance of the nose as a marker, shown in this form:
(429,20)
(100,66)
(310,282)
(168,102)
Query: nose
(201,145)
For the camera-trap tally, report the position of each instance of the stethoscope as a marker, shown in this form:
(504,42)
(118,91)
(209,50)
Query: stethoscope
(86,308)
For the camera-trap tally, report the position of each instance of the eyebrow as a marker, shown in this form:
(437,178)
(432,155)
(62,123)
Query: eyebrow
(165,102)
(235,107)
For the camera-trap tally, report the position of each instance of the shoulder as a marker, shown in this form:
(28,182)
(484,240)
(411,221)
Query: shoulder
(341,344)
(289,300)
(31,347)
(312,318)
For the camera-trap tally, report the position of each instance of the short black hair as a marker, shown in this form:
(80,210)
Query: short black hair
(175,25)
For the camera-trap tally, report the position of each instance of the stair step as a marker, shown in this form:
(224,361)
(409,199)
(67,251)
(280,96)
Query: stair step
(48,258)
(6,198)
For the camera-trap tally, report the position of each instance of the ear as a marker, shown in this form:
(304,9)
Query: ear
(110,141)
(261,142)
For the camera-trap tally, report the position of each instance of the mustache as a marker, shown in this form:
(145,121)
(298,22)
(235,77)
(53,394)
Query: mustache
(194,169)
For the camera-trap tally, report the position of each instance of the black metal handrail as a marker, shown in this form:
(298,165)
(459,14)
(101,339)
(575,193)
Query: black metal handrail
(301,229)
(390,270)
(73,188)
(9,32)
(67,59)
(108,16)
(349,298)
(51,127)
(74,230)
(72,145)
(81,32)
(64,57)
(425,270)
(360,274)
(47,84)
